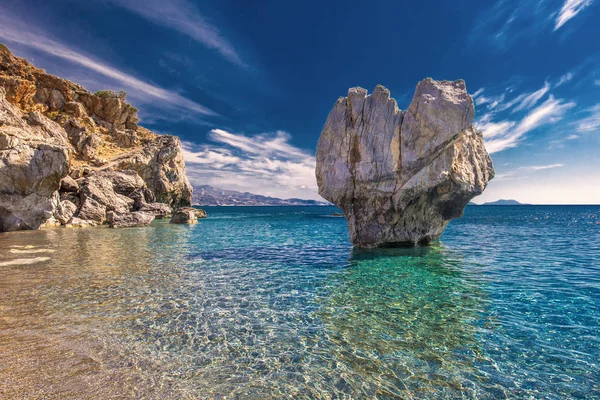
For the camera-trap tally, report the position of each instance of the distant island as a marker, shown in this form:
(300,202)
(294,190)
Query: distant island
(207,195)
(503,202)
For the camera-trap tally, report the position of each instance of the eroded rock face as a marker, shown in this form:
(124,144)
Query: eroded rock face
(159,210)
(162,167)
(65,211)
(63,147)
(130,220)
(400,177)
(109,191)
(34,157)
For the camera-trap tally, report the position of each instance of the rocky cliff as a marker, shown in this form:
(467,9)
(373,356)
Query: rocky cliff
(68,156)
(400,177)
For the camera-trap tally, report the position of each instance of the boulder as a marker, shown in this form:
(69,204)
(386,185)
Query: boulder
(79,223)
(65,211)
(199,213)
(184,216)
(108,191)
(401,177)
(159,210)
(69,185)
(51,222)
(93,211)
(132,219)
(75,109)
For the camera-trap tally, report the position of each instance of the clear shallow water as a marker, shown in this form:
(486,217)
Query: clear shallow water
(274,303)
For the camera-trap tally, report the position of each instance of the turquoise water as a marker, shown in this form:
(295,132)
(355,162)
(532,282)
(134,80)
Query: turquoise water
(258,302)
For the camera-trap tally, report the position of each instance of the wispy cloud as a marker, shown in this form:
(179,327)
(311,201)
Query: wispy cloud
(507,134)
(495,129)
(564,79)
(183,17)
(498,103)
(521,172)
(569,10)
(508,22)
(510,116)
(597,82)
(15,31)
(532,99)
(267,164)
(541,167)
(490,102)
(590,123)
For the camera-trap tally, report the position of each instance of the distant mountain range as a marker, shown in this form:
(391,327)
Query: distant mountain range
(501,202)
(211,196)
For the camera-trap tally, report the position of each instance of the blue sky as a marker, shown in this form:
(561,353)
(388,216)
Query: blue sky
(248,85)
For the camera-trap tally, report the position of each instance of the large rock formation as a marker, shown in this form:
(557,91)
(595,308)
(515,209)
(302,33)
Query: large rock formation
(400,177)
(34,157)
(67,154)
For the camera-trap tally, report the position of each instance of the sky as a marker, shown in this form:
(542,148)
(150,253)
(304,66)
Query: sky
(248,85)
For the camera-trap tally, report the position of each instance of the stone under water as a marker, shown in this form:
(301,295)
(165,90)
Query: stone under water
(401,176)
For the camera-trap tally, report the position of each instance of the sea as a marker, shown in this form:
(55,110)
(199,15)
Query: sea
(274,303)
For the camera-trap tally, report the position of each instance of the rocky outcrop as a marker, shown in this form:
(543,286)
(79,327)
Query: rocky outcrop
(34,157)
(184,216)
(400,177)
(199,213)
(110,191)
(63,147)
(187,215)
(162,167)
(159,210)
(130,220)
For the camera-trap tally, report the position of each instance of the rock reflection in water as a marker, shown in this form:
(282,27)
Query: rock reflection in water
(403,322)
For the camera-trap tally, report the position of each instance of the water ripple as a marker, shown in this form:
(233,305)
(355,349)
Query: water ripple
(258,303)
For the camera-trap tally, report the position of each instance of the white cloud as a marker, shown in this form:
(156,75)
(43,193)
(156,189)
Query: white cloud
(520,173)
(550,111)
(542,167)
(16,32)
(497,104)
(564,79)
(183,17)
(569,10)
(266,164)
(531,100)
(505,23)
(597,82)
(477,93)
(590,123)
(495,129)
(511,103)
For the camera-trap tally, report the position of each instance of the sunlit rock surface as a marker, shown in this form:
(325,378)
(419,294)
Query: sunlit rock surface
(63,147)
(400,177)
